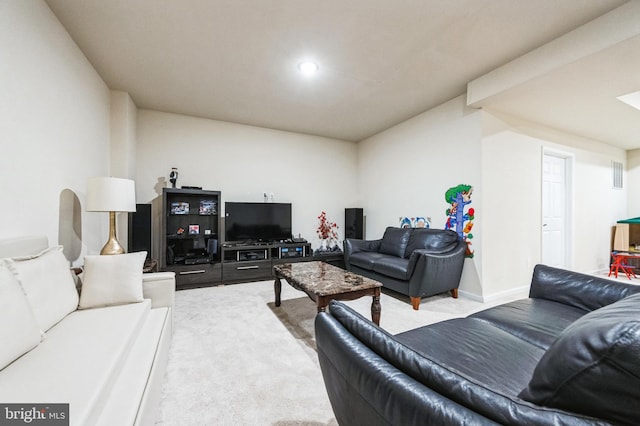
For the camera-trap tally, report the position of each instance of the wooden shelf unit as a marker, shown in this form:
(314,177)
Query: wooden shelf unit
(190,236)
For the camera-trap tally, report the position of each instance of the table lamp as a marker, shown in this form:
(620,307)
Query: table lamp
(109,194)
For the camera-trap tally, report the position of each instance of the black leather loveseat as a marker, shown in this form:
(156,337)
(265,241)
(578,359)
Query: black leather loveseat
(567,355)
(416,262)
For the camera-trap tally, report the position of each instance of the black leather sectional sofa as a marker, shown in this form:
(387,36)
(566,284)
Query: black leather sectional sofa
(416,262)
(567,355)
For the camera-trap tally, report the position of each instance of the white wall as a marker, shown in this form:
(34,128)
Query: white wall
(122,158)
(406,170)
(312,173)
(54,116)
(512,179)
(632,183)
(512,226)
(123,113)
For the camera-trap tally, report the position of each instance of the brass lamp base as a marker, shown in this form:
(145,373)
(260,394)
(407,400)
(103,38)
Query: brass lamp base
(112,246)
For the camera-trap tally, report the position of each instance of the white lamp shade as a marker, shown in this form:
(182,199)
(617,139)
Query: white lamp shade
(109,194)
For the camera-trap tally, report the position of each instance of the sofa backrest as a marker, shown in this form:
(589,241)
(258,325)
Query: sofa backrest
(593,366)
(394,241)
(582,291)
(434,240)
(22,246)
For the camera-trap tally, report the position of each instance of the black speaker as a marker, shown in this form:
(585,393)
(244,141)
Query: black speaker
(354,223)
(212,247)
(140,229)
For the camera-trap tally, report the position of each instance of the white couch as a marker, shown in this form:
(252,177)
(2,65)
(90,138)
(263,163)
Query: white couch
(105,359)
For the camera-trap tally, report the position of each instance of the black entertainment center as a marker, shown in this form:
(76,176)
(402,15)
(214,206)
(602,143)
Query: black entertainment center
(256,236)
(246,262)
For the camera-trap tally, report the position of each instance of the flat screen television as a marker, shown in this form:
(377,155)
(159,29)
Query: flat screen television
(257,222)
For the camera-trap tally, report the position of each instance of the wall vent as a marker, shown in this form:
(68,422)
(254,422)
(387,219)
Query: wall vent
(616,172)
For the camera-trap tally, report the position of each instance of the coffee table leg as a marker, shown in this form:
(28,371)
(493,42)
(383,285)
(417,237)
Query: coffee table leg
(321,302)
(376,308)
(277,287)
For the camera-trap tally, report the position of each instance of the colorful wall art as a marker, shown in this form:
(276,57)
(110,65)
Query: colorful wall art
(459,197)
(415,222)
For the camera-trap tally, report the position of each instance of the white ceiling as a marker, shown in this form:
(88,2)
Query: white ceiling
(381,61)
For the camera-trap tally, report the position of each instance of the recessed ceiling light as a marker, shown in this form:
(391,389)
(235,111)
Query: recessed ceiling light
(632,99)
(308,67)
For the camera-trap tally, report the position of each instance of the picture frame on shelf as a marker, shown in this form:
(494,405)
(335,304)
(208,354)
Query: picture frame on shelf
(194,229)
(179,208)
(208,207)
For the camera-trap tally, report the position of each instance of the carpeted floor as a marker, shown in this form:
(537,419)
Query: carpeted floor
(236,359)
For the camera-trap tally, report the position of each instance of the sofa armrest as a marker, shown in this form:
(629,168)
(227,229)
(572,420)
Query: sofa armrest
(351,245)
(160,287)
(436,272)
(578,290)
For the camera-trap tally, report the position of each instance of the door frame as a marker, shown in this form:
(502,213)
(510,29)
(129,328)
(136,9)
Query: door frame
(569,160)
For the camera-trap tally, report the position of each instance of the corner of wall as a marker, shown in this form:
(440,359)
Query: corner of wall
(122,135)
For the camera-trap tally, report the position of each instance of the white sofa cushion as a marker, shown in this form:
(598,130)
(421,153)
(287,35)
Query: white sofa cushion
(140,378)
(112,280)
(47,282)
(19,331)
(79,362)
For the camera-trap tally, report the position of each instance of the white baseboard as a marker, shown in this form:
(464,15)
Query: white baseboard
(472,296)
(512,293)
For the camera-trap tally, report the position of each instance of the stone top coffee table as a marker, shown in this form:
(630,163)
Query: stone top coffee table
(323,282)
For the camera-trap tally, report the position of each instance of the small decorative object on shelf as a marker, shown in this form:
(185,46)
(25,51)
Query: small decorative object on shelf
(194,229)
(173,177)
(328,234)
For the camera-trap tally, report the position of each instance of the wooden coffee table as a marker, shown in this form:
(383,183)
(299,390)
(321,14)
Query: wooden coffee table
(323,282)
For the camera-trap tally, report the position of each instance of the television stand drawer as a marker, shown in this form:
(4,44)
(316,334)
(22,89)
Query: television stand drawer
(247,271)
(188,276)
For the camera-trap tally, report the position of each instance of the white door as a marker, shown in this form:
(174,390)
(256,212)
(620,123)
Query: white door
(554,210)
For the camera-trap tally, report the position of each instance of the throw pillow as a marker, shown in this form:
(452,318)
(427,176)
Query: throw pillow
(19,332)
(47,282)
(592,368)
(112,280)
